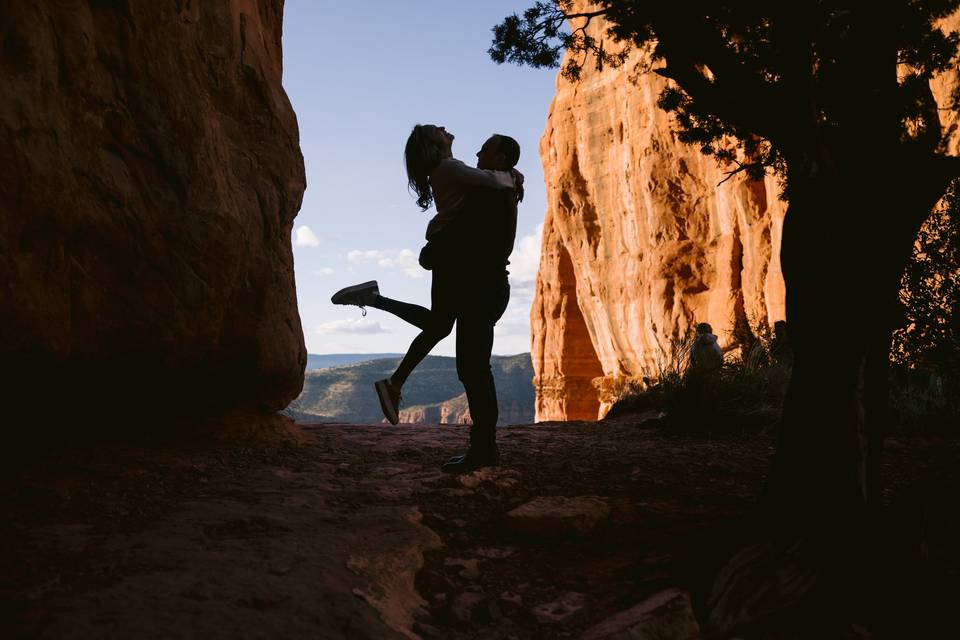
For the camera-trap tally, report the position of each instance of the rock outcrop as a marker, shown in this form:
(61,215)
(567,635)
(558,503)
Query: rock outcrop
(643,238)
(512,410)
(151,175)
(452,411)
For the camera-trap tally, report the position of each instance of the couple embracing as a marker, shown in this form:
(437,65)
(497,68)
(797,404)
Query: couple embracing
(469,241)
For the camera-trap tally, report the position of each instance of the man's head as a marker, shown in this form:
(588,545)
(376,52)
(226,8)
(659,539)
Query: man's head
(498,152)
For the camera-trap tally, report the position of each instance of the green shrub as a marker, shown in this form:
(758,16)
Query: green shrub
(924,401)
(745,394)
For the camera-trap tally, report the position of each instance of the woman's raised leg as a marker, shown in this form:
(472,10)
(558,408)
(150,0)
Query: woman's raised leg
(414,314)
(435,324)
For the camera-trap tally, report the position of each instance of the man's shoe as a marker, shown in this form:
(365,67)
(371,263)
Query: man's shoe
(389,400)
(362,294)
(472,461)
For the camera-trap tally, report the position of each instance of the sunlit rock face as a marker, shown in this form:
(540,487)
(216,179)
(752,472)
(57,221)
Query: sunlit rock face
(945,87)
(151,175)
(642,241)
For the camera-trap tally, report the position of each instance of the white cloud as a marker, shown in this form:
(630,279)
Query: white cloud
(351,325)
(516,320)
(403,260)
(362,257)
(324,271)
(513,329)
(525,259)
(305,237)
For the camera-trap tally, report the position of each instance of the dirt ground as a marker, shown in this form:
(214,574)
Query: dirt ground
(353,532)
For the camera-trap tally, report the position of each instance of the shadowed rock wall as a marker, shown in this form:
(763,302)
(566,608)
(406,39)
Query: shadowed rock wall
(151,175)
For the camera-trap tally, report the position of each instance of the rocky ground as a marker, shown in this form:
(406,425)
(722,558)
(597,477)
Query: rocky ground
(352,532)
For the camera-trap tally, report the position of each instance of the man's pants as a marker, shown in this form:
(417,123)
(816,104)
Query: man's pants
(479,306)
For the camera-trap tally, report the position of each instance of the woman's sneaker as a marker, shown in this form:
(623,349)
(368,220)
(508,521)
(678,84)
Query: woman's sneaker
(389,400)
(361,295)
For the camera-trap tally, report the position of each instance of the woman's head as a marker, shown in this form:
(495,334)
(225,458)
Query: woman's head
(426,146)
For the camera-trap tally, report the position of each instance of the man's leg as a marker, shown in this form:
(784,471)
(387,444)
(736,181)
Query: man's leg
(474,346)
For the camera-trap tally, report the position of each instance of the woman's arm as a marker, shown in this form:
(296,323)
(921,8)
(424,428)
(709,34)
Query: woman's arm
(457,172)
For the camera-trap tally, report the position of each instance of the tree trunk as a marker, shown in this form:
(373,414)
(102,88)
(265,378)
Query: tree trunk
(846,241)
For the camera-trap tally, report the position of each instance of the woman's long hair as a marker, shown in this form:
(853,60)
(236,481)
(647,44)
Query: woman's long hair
(421,156)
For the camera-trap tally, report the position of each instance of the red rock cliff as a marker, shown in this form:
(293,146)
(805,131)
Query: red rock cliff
(641,241)
(151,175)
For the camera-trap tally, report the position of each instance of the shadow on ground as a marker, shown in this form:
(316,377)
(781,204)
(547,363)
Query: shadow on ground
(354,532)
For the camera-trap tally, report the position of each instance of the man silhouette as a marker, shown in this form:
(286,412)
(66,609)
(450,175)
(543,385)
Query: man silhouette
(479,244)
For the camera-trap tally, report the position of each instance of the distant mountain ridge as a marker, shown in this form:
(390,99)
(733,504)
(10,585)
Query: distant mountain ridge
(433,394)
(328,360)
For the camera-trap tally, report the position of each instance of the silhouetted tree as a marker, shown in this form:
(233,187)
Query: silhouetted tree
(835,97)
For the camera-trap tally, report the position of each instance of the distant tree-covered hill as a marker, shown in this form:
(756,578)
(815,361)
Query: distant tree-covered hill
(432,393)
(328,360)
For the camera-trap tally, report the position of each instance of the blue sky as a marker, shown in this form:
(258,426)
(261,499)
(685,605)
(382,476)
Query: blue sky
(360,75)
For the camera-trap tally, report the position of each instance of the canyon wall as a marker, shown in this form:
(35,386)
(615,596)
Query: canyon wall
(640,242)
(643,238)
(151,175)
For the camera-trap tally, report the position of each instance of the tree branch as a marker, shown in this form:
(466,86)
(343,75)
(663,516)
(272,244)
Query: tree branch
(741,167)
(589,15)
(733,95)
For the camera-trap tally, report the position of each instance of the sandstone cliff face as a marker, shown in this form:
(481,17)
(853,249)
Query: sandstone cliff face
(151,175)
(641,241)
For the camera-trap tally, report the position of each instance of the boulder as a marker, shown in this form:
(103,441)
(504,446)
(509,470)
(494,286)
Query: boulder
(667,615)
(556,516)
(561,609)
